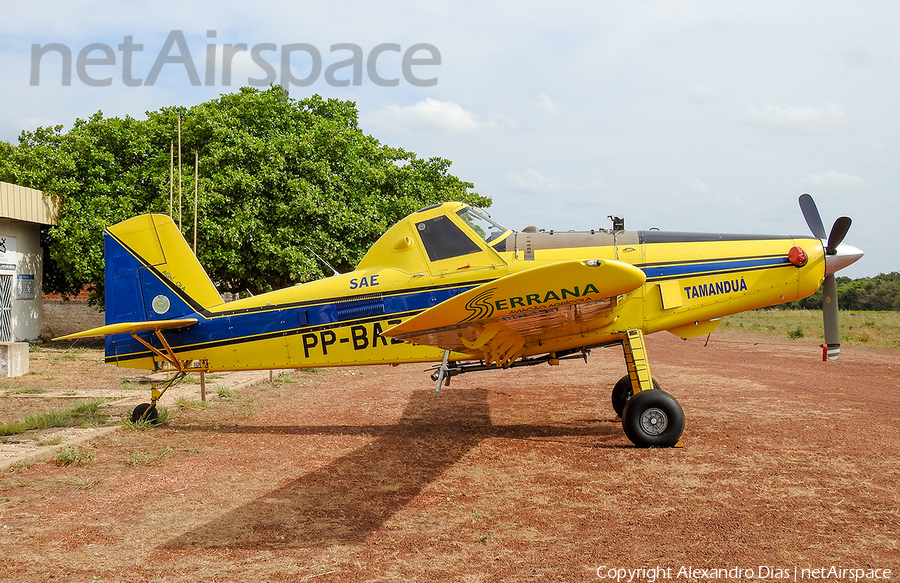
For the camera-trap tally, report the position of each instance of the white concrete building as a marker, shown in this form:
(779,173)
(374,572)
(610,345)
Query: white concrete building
(23,211)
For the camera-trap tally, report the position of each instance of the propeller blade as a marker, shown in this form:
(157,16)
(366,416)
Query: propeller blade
(830,314)
(838,232)
(811,214)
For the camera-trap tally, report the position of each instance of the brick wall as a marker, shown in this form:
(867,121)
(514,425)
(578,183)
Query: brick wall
(67,317)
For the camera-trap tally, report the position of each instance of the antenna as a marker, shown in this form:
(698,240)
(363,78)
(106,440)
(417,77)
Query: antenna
(323,261)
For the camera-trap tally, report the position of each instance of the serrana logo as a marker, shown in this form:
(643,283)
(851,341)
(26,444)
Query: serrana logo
(483,305)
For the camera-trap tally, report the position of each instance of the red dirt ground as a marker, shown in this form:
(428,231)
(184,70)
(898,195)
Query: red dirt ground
(366,475)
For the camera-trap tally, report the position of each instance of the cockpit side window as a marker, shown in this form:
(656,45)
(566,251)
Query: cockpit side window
(443,239)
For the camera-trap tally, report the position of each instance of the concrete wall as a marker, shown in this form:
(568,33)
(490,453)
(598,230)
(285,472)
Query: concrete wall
(23,258)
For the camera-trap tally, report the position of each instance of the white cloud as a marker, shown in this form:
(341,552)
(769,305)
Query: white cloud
(431,114)
(544,101)
(704,92)
(529,181)
(827,119)
(698,185)
(832,179)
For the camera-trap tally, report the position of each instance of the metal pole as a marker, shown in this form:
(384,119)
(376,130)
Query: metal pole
(171,174)
(196,172)
(179,173)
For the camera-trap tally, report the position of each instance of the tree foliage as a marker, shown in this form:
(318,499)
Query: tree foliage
(880,293)
(277,177)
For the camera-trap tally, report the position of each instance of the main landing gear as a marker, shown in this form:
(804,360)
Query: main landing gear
(146,412)
(650,417)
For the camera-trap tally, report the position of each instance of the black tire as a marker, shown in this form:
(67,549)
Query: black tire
(138,415)
(653,419)
(622,392)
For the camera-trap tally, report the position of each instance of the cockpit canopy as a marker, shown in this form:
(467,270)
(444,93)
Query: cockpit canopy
(443,239)
(441,233)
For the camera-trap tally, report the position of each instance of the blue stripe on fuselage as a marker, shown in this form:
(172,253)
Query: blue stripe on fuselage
(274,321)
(699,269)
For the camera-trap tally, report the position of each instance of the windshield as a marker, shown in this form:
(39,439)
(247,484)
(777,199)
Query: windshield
(484,226)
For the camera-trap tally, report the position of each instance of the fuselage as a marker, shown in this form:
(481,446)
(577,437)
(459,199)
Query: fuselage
(692,279)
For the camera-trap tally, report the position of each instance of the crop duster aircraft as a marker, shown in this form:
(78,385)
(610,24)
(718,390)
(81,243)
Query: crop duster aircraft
(448,284)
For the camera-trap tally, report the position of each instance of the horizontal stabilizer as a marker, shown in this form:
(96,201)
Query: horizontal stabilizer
(129,327)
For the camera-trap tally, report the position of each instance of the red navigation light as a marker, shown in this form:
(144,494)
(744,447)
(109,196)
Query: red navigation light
(798,256)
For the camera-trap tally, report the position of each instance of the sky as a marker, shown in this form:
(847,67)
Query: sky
(689,116)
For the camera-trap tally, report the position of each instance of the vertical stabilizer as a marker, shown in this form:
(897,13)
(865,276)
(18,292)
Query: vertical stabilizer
(151,273)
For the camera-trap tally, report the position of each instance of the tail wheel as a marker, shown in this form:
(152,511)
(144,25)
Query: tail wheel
(145,412)
(622,392)
(653,419)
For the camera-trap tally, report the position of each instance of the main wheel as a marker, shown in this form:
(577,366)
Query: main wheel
(653,419)
(622,392)
(138,415)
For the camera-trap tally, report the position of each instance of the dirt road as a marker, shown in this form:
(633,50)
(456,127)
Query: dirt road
(366,475)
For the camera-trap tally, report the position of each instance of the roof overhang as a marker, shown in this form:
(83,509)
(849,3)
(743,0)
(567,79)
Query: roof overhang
(27,204)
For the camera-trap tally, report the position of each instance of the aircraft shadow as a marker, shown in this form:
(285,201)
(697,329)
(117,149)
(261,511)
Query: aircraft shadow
(347,500)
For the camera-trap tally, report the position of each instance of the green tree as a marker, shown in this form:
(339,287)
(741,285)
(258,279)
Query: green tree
(879,293)
(277,177)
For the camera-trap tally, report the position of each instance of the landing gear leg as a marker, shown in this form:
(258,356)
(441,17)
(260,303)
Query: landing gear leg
(147,411)
(650,418)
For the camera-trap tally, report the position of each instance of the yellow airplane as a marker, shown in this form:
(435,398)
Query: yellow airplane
(449,284)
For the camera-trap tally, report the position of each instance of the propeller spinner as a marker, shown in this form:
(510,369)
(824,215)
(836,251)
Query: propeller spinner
(837,257)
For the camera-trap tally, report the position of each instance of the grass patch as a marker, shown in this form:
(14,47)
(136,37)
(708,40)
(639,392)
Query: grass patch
(25,391)
(72,456)
(82,414)
(227,394)
(881,329)
(70,354)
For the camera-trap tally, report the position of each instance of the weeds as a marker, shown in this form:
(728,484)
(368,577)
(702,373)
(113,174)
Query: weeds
(79,483)
(72,456)
(83,413)
(227,394)
(194,404)
(164,416)
(147,458)
(70,354)
(25,391)
(52,441)
(283,377)
(796,333)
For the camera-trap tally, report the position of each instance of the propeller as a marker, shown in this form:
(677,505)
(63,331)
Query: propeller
(837,256)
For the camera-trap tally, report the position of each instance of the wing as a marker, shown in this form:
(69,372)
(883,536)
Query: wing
(498,321)
(127,327)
